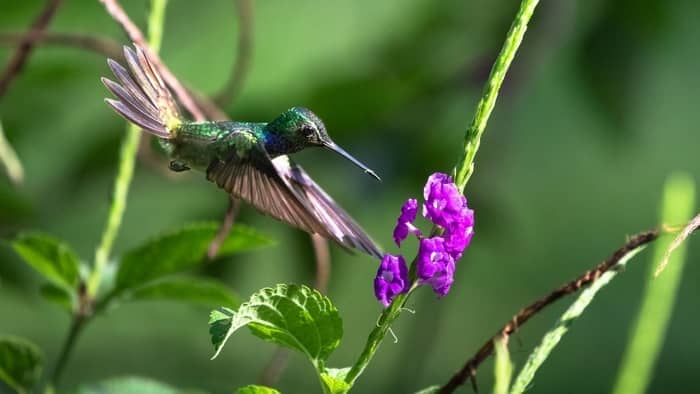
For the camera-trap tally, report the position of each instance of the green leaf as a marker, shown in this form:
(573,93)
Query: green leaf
(9,160)
(255,389)
(647,335)
(52,258)
(552,337)
(20,363)
(334,380)
(292,316)
(180,250)
(503,368)
(59,296)
(132,384)
(195,290)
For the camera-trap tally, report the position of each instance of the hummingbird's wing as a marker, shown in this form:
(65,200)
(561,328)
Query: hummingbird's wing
(342,228)
(254,179)
(283,190)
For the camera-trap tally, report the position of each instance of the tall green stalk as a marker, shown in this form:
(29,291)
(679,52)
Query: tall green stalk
(472,139)
(647,335)
(125,172)
(463,170)
(127,161)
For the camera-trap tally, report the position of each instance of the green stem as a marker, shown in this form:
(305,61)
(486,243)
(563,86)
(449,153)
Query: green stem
(377,335)
(465,166)
(127,160)
(463,170)
(75,329)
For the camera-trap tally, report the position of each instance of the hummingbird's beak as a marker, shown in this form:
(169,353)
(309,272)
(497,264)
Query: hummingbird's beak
(335,148)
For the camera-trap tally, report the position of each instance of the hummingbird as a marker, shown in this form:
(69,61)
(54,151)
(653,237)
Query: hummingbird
(248,160)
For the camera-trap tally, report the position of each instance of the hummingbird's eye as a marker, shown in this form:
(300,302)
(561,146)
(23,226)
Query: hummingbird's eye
(307,131)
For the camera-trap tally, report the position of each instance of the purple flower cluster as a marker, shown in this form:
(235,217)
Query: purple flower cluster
(447,208)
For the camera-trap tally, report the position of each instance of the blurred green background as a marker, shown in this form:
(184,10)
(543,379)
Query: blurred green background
(599,107)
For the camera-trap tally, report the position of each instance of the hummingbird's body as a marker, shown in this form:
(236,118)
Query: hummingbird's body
(248,160)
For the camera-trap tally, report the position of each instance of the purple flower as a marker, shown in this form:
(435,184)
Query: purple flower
(443,202)
(442,280)
(404,224)
(459,233)
(435,265)
(391,279)
(432,257)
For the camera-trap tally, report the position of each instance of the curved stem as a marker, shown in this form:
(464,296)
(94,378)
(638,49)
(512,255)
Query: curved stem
(386,319)
(243,54)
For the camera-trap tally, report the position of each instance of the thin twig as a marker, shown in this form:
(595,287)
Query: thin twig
(118,14)
(693,225)
(323,262)
(14,66)
(102,45)
(243,54)
(107,47)
(272,372)
(468,371)
(225,228)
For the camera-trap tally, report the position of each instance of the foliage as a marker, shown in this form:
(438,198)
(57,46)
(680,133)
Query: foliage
(20,364)
(296,317)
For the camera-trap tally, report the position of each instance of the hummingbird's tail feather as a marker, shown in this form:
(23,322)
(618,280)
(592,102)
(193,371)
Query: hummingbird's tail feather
(143,97)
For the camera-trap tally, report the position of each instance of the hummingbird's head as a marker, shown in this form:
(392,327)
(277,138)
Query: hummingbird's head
(308,130)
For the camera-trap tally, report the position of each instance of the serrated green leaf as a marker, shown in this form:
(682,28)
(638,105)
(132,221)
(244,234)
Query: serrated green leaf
(334,380)
(180,250)
(255,389)
(292,316)
(132,384)
(194,290)
(59,296)
(52,258)
(20,363)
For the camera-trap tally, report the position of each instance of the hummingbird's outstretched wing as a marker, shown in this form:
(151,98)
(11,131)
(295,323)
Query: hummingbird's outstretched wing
(342,228)
(283,190)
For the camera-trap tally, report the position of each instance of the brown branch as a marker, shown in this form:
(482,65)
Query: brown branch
(323,262)
(116,11)
(14,66)
(468,371)
(243,54)
(225,228)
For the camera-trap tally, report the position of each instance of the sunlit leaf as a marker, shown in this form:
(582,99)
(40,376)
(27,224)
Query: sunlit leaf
(334,380)
(194,290)
(292,316)
(59,296)
(52,258)
(20,363)
(132,384)
(180,250)
(255,389)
